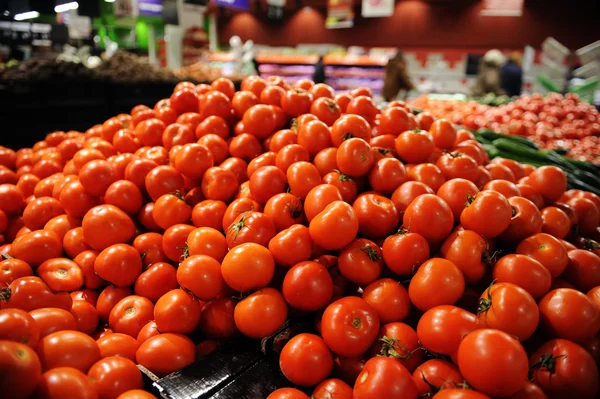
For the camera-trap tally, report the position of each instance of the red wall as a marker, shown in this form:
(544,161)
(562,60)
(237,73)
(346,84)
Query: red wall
(417,23)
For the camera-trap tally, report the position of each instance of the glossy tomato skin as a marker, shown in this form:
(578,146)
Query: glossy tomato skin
(30,293)
(399,341)
(547,250)
(583,269)
(105,225)
(493,362)
(488,215)
(261,314)
(62,382)
(389,298)
(384,377)
(166,353)
(68,349)
(307,286)
(248,266)
(12,269)
(349,326)
(562,369)
(361,261)
(117,344)
(439,373)
(377,215)
(335,227)
(36,247)
(130,314)
(404,252)
(305,360)
(21,369)
(429,216)
(498,304)
(437,282)
(442,328)
(115,375)
(332,387)
(569,314)
(287,393)
(524,272)
(469,251)
(177,311)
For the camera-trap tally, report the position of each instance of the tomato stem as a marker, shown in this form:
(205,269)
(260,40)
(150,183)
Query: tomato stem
(546,361)
(4,294)
(371,253)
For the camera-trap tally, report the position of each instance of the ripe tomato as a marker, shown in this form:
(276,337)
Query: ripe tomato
(177,311)
(442,328)
(458,165)
(200,275)
(251,226)
(569,314)
(64,382)
(266,182)
(68,349)
(503,376)
(209,213)
(344,183)
(469,251)
(305,360)
(363,106)
(414,146)
(562,369)
(488,214)
(455,193)
(158,279)
(549,181)
(436,282)
(307,286)
(407,192)
(260,314)
(377,215)
(219,184)
(555,222)
(360,261)
(498,305)
(547,250)
(11,198)
(18,325)
(130,314)
(318,198)
(429,216)
(399,341)
(587,212)
(583,269)
(61,274)
(287,393)
(119,264)
(117,344)
(326,109)
(349,326)
(291,246)
(526,220)
(394,121)
(436,375)
(174,239)
(166,353)
(36,247)
(428,174)
(225,86)
(354,157)
(349,126)
(105,225)
(335,227)
(314,136)
(12,269)
(38,212)
(248,266)
(29,293)
(444,134)
(332,388)
(290,154)
(404,252)
(115,375)
(217,320)
(387,175)
(322,90)
(384,377)
(21,369)
(161,180)
(525,272)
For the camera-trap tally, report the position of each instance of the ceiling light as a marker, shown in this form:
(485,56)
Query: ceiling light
(110,1)
(26,15)
(66,7)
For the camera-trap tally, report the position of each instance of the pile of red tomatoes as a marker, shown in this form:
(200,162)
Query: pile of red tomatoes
(426,268)
(554,121)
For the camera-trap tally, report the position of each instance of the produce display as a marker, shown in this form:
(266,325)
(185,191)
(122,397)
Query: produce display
(553,121)
(423,267)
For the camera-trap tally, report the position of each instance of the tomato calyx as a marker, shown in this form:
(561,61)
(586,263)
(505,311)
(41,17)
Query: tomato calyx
(432,388)
(383,151)
(295,209)
(5,294)
(546,361)
(294,125)
(178,194)
(236,227)
(388,346)
(590,245)
(332,105)
(485,303)
(489,259)
(401,231)
(186,252)
(342,177)
(371,253)
(347,136)
(470,199)
(513,211)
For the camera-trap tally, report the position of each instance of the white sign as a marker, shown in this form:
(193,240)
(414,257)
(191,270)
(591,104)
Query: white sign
(377,8)
(80,27)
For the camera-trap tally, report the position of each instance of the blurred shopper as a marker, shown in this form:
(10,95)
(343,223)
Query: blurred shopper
(512,75)
(488,77)
(396,78)
(319,74)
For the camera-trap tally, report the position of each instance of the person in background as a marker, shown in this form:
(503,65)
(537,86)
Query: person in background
(512,75)
(319,74)
(488,77)
(396,78)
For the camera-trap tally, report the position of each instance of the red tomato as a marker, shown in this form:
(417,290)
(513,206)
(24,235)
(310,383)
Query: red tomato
(384,377)
(429,216)
(166,353)
(436,282)
(305,360)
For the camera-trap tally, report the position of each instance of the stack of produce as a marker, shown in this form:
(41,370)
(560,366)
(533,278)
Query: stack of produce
(554,121)
(427,270)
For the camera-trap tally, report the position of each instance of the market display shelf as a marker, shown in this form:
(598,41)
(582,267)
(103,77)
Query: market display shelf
(361,60)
